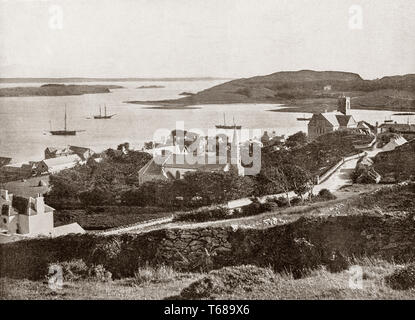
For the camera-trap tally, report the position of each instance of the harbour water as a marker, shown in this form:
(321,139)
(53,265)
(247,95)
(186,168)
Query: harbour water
(25,121)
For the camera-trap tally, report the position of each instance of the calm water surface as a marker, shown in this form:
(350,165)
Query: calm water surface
(24,121)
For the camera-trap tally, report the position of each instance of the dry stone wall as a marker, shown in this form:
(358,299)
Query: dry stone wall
(305,243)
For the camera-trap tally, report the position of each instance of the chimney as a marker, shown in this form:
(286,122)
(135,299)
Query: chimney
(39,204)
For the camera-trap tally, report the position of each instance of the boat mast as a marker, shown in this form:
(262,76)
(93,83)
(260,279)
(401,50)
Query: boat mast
(65,117)
(224,120)
(105,110)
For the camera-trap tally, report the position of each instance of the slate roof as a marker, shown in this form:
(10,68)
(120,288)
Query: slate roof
(203,162)
(52,162)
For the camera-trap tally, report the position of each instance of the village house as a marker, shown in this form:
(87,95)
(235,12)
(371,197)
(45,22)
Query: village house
(327,122)
(397,128)
(175,164)
(54,165)
(54,152)
(19,170)
(393,143)
(30,217)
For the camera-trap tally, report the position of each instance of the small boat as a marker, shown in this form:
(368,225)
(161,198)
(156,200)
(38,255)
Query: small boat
(225,126)
(388,121)
(404,114)
(65,131)
(105,116)
(304,118)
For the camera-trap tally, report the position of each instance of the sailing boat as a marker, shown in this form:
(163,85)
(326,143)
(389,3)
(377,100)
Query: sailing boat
(224,126)
(105,116)
(63,132)
(303,118)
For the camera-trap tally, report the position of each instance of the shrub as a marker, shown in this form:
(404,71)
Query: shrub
(106,251)
(149,274)
(73,270)
(326,194)
(216,213)
(99,273)
(255,208)
(77,269)
(296,201)
(228,280)
(402,278)
(282,201)
(271,204)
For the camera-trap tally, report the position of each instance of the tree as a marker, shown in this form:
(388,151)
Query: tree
(296,140)
(290,177)
(124,146)
(148,145)
(278,177)
(299,179)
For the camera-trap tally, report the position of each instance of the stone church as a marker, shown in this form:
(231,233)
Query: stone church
(327,122)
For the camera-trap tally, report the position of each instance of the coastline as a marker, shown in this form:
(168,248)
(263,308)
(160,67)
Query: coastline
(308,105)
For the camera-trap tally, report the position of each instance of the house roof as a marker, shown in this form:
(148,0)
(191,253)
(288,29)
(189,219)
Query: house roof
(335,118)
(397,141)
(203,162)
(331,117)
(67,229)
(398,126)
(151,168)
(363,125)
(343,119)
(72,158)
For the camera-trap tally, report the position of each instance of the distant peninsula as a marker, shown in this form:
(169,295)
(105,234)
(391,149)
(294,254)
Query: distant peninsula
(81,79)
(56,90)
(151,87)
(306,91)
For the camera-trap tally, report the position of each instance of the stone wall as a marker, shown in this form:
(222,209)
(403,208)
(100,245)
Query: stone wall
(305,243)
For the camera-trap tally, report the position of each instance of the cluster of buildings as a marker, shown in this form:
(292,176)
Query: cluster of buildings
(172,158)
(30,217)
(55,160)
(342,119)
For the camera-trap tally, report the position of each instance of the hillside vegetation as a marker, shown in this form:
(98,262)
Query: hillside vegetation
(397,165)
(311,258)
(304,90)
(55,90)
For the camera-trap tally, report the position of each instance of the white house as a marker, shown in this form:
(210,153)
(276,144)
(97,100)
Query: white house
(54,165)
(393,143)
(30,217)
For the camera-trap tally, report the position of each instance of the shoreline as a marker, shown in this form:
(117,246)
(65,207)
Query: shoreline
(299,106)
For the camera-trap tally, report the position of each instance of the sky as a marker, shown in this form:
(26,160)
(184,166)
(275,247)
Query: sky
(198,38)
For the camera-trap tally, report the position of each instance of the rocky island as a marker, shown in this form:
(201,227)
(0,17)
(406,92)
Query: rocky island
(56,90)
(307,91)
(150,87)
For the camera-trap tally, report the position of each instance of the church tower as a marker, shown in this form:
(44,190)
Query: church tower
(343,105)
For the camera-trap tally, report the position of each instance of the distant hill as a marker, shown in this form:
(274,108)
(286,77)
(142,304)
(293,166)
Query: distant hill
(305,90)
(55,90)
(80,79)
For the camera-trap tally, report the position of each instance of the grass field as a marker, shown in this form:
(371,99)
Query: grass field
(227,283)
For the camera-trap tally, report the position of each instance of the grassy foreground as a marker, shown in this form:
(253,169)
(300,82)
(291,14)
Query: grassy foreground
(243,282)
